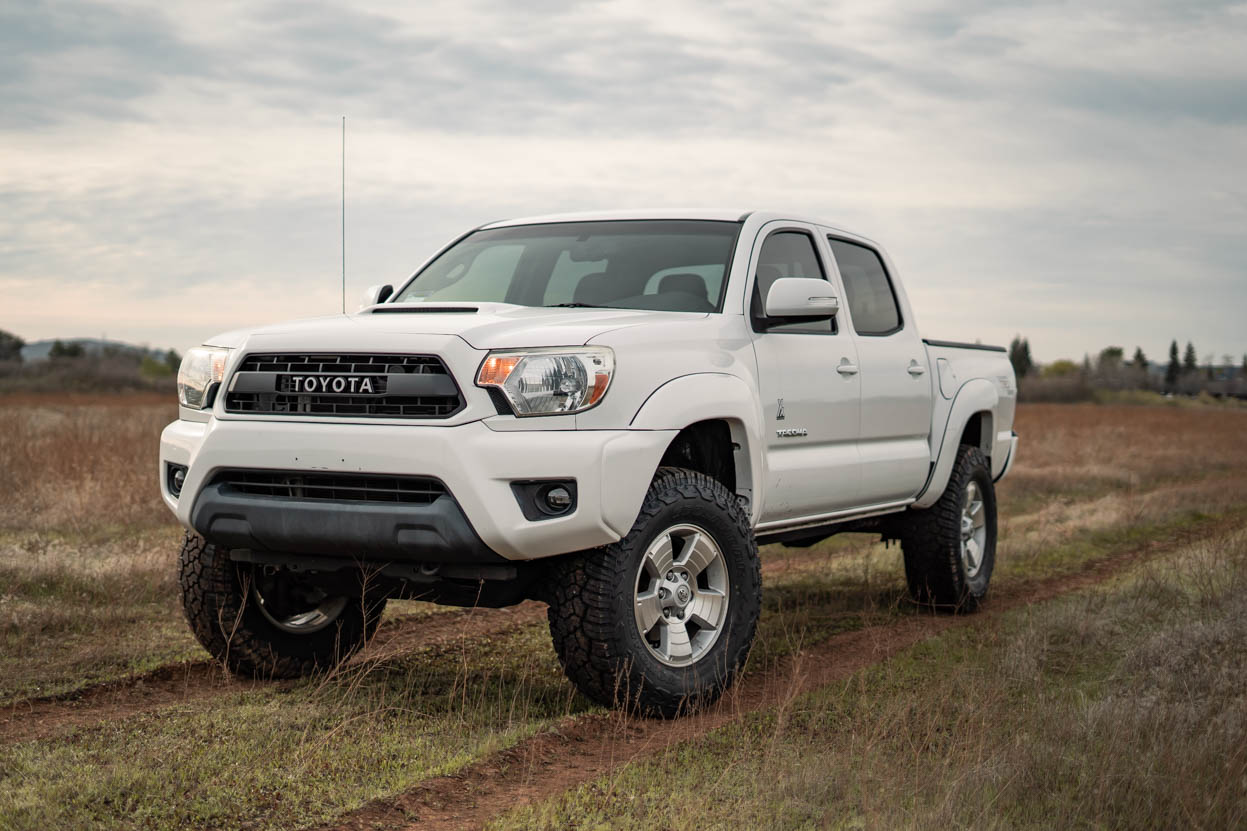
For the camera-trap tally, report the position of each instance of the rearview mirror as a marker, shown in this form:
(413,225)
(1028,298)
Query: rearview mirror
(376,294)
(805,297)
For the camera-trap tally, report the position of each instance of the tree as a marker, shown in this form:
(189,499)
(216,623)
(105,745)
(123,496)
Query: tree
(1020,357)
(1059,369)
(173,360)
(11,346)
(1110,358)
(1174,369)
(1190,362)
(60,349)
(1139,361)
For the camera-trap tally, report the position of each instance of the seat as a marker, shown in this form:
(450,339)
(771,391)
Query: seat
(593,289)
(686,282)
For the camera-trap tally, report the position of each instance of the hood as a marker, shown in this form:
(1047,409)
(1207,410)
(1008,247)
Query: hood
(482,325)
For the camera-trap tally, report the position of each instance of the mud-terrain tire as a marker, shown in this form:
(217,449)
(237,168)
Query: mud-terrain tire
(227,617)
(950,548)
(593,596)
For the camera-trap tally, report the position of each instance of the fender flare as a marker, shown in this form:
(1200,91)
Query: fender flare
(688,399)
(974,396)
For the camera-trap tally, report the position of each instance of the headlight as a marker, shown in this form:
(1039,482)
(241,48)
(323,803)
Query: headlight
(549,381)
(201,369)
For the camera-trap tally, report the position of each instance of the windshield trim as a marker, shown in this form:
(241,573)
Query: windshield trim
(727,265)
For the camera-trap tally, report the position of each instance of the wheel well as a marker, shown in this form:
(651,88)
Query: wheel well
(706,447)
(978,432)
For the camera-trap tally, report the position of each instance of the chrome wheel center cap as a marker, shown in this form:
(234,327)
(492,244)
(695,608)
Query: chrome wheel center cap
(681,595)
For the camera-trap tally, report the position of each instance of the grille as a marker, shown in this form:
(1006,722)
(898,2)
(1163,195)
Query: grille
(336,487)
(371,386)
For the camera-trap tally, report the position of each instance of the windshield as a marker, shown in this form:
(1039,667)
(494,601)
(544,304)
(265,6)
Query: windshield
(667,265)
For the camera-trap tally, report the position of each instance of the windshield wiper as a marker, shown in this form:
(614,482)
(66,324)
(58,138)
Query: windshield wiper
(575,306)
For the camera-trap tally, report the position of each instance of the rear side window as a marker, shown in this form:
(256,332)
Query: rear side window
(787,254)
(872,303)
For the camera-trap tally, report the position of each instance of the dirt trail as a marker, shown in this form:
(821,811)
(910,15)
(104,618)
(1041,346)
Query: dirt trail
(192,681)
(198,680)
(583,748)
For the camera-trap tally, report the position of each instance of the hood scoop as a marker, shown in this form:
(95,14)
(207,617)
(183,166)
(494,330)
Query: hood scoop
(426,310)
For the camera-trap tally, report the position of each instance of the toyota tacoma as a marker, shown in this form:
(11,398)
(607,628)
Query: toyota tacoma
(607,412)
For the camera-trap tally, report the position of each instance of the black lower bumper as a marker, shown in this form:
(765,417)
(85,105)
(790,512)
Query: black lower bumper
(438,532)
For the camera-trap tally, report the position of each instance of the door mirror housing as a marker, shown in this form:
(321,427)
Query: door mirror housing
(801,297)
(376,294)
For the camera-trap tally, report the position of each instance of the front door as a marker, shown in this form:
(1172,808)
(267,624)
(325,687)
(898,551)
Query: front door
(810,384)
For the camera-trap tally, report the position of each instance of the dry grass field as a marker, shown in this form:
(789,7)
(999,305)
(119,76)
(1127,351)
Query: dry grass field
(1104,685)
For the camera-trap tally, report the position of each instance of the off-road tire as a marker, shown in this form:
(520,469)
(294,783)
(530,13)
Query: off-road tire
(591,596)
(226,619)
(931,541)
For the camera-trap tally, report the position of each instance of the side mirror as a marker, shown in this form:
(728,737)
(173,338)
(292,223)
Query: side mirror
(805,297)
(375,294)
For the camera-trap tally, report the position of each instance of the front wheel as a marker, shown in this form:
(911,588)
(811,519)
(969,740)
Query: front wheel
(269,622)
(663,619)
(950,548)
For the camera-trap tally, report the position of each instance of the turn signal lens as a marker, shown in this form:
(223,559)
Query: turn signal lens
(495,370)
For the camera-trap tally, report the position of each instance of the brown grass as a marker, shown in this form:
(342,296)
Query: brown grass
(1069,451)
(81,467)
(86,593)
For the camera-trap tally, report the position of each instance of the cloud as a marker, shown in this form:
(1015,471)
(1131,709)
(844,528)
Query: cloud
(1032,166)
(63,61)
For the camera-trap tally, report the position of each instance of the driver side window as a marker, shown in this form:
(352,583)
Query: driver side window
(787,254)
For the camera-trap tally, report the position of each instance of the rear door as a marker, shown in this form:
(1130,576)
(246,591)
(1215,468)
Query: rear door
(809,384)
(895,379)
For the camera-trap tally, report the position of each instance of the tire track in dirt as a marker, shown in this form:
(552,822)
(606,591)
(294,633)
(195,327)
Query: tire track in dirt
(192,681)
(583,748)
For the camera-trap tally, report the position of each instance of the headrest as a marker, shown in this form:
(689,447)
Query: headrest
(593,289)
(686,282)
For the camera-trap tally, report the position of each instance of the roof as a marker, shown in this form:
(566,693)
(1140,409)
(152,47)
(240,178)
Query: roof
(712,214)
(644,213)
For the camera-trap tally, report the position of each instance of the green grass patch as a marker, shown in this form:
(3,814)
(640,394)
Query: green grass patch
(277,759)
(1120,707)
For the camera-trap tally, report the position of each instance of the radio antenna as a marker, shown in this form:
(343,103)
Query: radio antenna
(343,214)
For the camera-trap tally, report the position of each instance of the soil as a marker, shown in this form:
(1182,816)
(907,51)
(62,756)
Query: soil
(192,681)
(586,747)
(579,748)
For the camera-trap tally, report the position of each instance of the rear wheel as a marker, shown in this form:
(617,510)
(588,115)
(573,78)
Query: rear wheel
(950,548)
(663,619)
(269,622)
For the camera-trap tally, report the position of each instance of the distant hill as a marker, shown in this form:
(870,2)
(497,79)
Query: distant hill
(38,351)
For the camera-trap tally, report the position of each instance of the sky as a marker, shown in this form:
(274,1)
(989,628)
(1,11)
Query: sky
(1072,172)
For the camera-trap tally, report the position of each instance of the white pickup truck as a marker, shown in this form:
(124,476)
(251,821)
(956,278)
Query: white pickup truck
(607,412)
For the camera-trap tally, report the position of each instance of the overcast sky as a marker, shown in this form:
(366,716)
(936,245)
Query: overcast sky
(1075,172)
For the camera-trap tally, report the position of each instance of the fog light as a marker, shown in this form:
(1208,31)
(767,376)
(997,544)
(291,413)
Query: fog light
(545,498)
(177,478)
(558,499)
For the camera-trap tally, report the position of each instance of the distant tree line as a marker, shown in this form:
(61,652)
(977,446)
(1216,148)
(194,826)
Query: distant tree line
(10,347)
(72,367)
(1182,374)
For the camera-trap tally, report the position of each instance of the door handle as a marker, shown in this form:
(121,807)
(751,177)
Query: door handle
(846,368)
(916,369)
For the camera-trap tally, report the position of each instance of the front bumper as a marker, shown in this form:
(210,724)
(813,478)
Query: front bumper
(612,469)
